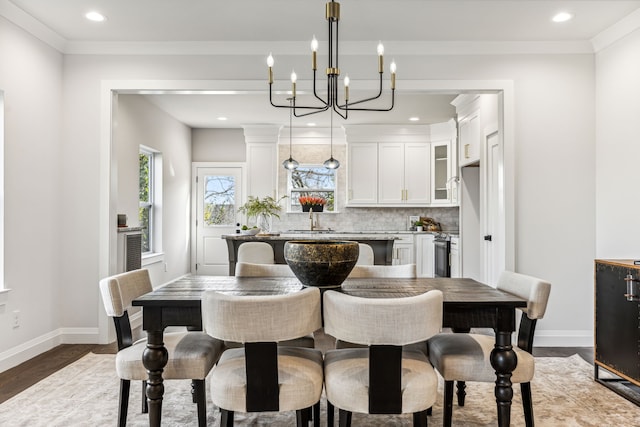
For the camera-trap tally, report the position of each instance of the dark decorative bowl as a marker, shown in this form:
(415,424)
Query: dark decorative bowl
(321,263)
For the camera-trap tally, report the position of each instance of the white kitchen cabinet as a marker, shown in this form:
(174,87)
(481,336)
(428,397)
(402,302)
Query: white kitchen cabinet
(362,174)
(470,139)
(403,250)
(403,173)
(262,160)
(441,173)
(424,255)
(454,257)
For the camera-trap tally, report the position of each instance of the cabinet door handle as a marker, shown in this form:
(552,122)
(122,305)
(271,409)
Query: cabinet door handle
(466,151)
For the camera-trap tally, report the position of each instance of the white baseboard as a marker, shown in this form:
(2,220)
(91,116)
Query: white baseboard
(562,338)
(32,348)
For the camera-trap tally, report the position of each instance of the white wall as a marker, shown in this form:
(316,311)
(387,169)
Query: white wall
(35,217)
(554,109)
(554,148)
(142,123)
(218,145)
(618,149)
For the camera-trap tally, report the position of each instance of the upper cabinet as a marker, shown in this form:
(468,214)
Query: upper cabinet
(262,160)
(362,173)
(401,166)
(468,108)
(444,164)
(403,173)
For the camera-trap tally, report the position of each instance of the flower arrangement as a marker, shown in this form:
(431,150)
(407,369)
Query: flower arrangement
(312,201)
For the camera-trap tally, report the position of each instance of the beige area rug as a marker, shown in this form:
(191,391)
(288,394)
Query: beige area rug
(85,393)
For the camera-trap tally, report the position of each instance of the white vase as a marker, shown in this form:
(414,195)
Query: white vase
(264,222)
(418,228)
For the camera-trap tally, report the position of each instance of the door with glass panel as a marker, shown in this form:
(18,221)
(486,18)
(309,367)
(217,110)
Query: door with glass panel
(218,194)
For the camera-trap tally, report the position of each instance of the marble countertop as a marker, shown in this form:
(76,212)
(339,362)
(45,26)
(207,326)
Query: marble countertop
(333,234)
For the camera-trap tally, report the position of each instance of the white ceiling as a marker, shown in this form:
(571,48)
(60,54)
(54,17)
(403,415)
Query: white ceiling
(398,23)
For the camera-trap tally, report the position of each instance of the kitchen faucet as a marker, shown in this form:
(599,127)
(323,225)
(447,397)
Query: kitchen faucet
(311,218)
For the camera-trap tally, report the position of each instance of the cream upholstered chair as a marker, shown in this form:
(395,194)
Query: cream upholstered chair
(465,357)
(365,257)
(191,354)
(406,271)
(264,376)
(383,378)
(256,252)
(249,269)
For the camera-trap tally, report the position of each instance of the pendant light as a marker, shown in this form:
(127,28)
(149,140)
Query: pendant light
(331,163)
(290,164)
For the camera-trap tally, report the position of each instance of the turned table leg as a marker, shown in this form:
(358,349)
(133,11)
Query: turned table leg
(504,361)
(154,359)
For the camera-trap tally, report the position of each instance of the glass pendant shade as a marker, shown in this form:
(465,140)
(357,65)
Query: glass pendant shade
(331,163)
(290,163)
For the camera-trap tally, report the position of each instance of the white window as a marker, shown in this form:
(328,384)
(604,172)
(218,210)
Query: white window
(312,181)
(149,185)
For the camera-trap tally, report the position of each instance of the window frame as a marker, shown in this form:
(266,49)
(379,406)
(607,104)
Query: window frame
(150,204)
(293,206)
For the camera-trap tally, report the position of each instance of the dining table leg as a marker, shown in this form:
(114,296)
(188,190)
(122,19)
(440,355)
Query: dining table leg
(154,359)
(504,361)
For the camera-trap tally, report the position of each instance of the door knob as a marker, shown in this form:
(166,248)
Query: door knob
(487,237)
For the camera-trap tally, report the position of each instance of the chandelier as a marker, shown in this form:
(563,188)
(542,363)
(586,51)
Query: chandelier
(330,102)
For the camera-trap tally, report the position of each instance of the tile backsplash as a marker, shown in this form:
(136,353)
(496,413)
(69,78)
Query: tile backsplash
(368,219)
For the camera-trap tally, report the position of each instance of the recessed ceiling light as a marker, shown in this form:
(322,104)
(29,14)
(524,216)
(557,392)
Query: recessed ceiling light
(311,124)
(414,119)
(95,16)
(222,118)
(562,17)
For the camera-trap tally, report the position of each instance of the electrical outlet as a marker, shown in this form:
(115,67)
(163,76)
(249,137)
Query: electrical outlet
(16,319)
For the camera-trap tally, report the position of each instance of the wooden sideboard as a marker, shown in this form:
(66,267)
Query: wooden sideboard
(617,326)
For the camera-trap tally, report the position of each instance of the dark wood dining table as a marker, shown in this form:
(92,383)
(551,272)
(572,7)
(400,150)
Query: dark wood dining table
(467,304)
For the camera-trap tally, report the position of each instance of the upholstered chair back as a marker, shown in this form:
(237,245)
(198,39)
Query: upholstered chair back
(402,271)
(120,290)
(249,269)
(261,318)
(365,256)
(382,321)
(256,252)
(535,291)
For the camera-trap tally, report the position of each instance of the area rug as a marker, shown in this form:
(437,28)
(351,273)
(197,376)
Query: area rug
(85,393)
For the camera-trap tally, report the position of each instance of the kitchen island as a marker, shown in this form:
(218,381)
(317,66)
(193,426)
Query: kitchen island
(382,244)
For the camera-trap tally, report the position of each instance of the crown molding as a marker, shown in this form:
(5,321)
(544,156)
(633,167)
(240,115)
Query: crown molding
(290,48)
(617,31)
(31,25)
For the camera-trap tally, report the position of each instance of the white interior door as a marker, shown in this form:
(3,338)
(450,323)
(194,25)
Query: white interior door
(218,194)
(494,261)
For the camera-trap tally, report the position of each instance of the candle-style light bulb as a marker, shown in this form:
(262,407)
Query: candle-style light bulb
(314,52)
(346,87)
(380,58)
(294,78)
(270,65)
(392,68)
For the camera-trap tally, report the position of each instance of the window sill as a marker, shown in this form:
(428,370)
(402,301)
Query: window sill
(152,258)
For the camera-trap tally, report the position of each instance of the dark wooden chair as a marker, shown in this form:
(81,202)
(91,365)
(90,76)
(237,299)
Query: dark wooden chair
(385,376)
(191,354)
(464,357)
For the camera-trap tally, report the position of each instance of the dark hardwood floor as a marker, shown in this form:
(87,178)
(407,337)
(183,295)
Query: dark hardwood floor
(17,379)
